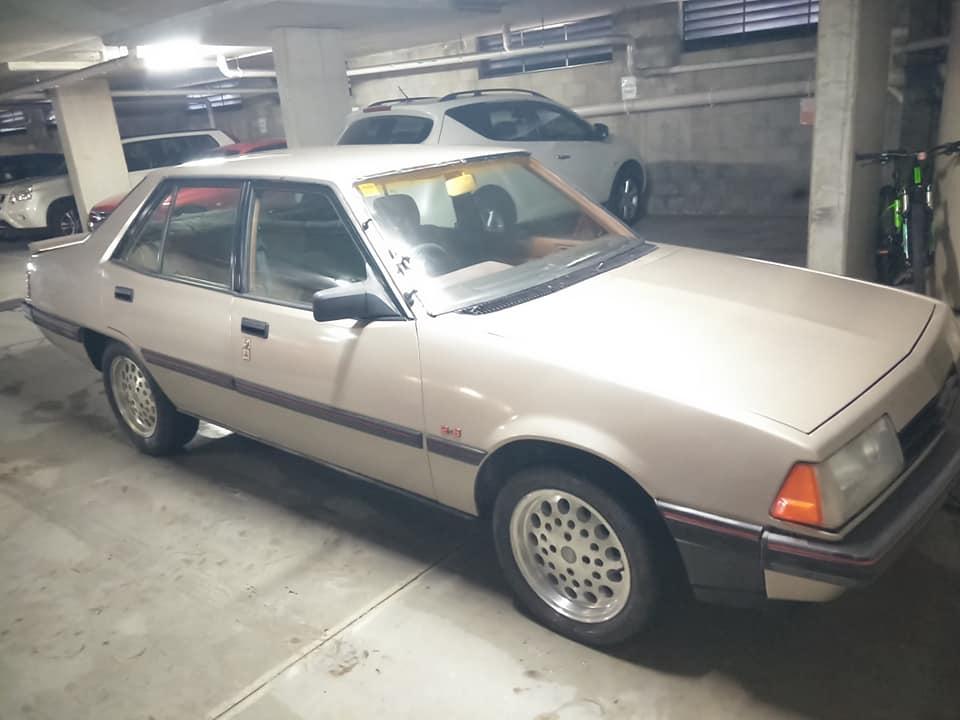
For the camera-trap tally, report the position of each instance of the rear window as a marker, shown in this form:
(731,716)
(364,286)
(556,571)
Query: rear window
(165,152)
(388,130)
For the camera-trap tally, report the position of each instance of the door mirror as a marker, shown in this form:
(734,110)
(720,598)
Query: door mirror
(354,302)
(600,131)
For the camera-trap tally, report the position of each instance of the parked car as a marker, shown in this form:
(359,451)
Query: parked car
(101,211)
(605,167)
(45,203)
(466,327)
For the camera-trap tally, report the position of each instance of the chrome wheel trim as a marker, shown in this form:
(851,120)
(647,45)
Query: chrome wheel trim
(70,223)
(570,555)
(133,396)
(629,200)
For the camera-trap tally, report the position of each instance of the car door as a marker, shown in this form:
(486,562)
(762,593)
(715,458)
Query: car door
(169,290)
(343,392)
(574,152)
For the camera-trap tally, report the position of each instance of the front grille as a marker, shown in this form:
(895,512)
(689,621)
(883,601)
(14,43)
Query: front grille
(920,432)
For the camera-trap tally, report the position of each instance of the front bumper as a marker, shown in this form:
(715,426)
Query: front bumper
(876,542)
(740,563)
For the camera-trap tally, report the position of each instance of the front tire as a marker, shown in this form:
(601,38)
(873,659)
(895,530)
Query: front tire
(63,218)
(148,418)
(575,558)
(628,196)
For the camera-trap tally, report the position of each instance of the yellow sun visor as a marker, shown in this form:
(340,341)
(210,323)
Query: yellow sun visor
(461,185)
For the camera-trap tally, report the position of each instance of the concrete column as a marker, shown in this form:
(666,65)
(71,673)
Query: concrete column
(91,142)
(312,79)
(946,221)
(853,54)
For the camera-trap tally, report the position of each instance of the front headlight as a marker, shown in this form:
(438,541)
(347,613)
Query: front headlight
(828,494)
(22,195)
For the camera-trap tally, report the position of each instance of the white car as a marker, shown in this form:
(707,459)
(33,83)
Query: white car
(604,167)
(46,203)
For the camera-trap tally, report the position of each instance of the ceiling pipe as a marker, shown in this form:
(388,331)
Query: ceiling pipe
(704,99)
(230,72)
(725,64)
(98,70)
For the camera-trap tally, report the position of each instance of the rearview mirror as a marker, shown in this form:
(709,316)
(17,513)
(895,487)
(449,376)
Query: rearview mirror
(600,131)
(353,302)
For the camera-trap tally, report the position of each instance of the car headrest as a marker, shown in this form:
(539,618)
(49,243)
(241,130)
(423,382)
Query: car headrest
(399,211)
(504,130)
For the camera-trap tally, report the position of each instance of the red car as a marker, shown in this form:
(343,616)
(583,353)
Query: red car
(195,197)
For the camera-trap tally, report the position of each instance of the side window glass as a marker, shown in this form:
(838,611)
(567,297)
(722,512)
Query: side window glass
(141,248)
(137,156)
(200,233)
(300,245)
(557,124)
(506,122)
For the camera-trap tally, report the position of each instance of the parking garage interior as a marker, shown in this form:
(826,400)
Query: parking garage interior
(233,580)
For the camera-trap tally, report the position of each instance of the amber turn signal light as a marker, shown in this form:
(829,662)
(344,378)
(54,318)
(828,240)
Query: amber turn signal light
(799,498)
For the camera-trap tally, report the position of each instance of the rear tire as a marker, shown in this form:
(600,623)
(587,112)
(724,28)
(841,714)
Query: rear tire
(63,218)
(146,415)
(628,196)
(574,557)
(919,244)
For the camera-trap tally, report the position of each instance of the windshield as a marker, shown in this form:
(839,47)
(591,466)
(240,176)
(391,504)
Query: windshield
(466,235)
(20,167)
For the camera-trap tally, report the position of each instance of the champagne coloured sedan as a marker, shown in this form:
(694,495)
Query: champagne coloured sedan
(463,326)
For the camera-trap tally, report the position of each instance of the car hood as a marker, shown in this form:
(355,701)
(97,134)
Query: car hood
(724,333)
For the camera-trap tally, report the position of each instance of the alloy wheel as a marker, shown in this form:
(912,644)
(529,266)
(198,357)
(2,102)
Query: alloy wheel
(629,201)
(133,396)
(570,555)
(70,223)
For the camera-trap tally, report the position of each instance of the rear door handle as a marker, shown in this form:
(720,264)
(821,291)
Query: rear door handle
(123,293)
(249,326)
(563,156)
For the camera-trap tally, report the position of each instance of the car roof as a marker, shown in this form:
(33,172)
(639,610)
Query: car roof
(181,133)
(437,105)
(338,164)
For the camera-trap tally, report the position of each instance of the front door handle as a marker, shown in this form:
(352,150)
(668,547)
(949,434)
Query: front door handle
(123,293)
(563,156)
(249,326)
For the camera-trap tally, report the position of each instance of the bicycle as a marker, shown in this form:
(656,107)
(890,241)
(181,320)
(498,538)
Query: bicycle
(905,248)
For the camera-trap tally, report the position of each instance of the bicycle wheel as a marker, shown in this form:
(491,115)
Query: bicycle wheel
(919,243)
(888,255)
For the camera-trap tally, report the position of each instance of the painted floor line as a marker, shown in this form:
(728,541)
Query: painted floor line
(255,689)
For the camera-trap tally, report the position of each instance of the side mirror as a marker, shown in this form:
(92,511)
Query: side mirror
(600,131)
(353,302)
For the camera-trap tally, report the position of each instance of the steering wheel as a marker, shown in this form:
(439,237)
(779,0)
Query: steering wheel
(435,258)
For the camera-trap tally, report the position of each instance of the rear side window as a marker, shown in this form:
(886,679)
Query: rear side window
(164,152)
(388,130)
(521,121)
(189,234)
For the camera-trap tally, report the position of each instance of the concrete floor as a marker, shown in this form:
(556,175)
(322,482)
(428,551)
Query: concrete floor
(236,581)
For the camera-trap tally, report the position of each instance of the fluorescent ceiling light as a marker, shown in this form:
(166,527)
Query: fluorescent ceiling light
(173,55)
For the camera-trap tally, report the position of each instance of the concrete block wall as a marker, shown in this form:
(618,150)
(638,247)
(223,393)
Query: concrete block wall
(743,159)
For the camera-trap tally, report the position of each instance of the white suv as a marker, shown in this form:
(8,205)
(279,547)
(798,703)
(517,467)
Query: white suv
(46,203)
(605,167)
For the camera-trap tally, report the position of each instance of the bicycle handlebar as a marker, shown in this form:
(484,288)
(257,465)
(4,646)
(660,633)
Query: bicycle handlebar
(884,156)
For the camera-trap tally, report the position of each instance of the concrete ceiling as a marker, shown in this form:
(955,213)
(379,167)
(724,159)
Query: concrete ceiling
(78,29)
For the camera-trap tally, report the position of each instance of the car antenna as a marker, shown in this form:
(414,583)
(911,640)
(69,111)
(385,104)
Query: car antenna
(405,96)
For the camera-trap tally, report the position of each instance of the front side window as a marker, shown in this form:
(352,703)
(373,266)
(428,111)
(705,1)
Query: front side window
(388,130)
(521,121)
(300,245)
(189,234)
(514,229)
